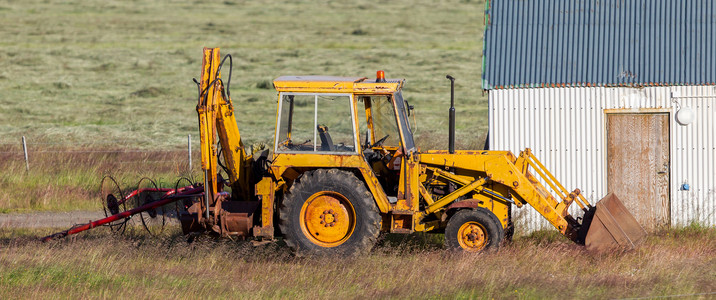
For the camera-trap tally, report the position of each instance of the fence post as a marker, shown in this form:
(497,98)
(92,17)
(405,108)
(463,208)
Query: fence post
(24,149)
(189,146)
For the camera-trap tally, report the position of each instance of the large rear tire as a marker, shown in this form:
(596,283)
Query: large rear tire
(474,231)
(329,212)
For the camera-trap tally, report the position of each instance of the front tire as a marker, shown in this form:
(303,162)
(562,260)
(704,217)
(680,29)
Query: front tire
(473,231)
(329,212)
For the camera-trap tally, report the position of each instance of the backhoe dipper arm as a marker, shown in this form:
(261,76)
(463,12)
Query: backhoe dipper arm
(216,117)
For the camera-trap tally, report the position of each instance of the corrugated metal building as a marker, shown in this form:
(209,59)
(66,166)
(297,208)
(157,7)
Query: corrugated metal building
(601,91)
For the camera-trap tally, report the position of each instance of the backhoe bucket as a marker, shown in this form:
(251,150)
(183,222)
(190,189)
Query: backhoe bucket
(612,226)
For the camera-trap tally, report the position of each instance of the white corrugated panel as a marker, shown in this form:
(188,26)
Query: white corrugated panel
(565,128)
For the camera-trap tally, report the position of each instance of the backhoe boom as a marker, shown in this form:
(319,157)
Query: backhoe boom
(217,118)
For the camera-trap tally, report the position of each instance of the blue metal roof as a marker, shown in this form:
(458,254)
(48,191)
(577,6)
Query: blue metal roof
(599,43)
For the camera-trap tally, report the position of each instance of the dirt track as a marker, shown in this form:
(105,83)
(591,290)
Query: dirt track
(48,219)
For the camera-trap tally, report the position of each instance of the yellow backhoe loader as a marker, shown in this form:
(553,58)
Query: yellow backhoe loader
(344,167)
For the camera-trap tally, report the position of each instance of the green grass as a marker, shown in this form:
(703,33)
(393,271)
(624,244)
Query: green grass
(119,72)
(115,76)
(94,264)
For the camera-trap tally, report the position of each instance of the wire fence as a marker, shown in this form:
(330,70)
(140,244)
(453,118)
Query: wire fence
(26,150)
(20,151)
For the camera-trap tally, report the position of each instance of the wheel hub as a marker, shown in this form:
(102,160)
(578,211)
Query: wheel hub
(112,204)
(327,219)
(472,237)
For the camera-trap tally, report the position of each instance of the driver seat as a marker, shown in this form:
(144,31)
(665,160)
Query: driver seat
(326,141)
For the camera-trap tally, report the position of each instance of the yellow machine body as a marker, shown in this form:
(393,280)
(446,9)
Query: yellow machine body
(411,189)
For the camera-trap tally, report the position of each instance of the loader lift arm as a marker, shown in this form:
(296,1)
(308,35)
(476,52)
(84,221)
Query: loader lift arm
(503,168)
(513,174)
(528,189)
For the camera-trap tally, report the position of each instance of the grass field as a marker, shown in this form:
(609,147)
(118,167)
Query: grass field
(78,77)
(677,263)
(119,72)
(104,87)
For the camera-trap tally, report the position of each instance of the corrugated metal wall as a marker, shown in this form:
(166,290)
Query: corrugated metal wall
(565,128)
(554,43)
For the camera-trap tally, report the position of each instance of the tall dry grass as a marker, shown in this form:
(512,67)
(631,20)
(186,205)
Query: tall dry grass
(68,178)
(65,178)
(94,265)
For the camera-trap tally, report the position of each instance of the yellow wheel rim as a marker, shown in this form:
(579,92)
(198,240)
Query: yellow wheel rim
(472,236)
(328,219)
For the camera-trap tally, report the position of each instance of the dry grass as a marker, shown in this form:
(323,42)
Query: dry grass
(675,262)
(68,178)
(62,179)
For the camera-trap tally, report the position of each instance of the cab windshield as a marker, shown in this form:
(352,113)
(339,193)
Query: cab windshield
(386,123)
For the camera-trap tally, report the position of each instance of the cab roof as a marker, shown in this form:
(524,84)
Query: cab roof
(335,84)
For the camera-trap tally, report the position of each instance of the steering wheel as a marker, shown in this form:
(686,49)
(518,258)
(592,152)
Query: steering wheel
(380,141)
(286,143)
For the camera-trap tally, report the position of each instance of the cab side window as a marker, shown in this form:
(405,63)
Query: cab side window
(316,123)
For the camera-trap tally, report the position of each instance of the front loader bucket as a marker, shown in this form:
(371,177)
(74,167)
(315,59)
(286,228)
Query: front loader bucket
(612,226)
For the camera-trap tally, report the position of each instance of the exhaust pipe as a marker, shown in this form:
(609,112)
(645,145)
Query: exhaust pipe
(451,130)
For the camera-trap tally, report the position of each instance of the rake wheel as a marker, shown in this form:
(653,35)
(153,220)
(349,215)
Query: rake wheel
(154,219)
(181,206)
(112,200)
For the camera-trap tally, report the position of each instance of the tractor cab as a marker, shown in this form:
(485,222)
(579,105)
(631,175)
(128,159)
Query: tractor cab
(346,116)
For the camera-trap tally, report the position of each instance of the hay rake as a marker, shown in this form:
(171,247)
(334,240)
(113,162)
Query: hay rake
(147,201)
